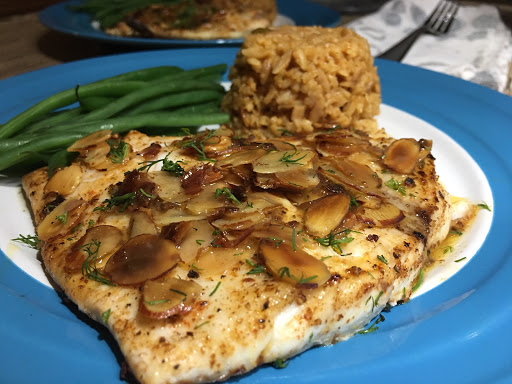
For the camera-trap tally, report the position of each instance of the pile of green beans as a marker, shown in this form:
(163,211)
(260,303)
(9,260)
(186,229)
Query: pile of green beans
(110,12)
(158,98)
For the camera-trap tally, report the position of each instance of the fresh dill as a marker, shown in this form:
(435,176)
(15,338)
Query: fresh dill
(197,144)
(227,194)
(172,167)
(30,240)
(118,151)
(89,269)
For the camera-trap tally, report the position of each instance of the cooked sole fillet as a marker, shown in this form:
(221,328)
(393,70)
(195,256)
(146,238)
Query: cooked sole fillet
(239,320)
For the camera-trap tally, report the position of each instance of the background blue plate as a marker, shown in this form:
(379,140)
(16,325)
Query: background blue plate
(457,332)
(60,18)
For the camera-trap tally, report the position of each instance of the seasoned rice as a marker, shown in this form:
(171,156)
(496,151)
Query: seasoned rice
(302,79)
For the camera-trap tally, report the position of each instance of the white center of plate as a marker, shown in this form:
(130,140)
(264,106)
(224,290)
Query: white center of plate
(457,171)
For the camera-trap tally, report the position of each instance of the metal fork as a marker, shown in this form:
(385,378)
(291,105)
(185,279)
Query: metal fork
(438,23)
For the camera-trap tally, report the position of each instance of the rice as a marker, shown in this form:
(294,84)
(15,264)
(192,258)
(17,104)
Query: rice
(302,79)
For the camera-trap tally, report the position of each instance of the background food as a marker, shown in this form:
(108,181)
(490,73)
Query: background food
(300,79)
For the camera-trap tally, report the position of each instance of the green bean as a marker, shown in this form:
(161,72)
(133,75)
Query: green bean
(146,74)
(92,103)
(135,97)
(63,99)
(57,139)
(174,100)
(52,119)
(208,107)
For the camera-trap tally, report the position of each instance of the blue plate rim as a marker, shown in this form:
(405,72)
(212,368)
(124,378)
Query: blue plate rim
(459,329)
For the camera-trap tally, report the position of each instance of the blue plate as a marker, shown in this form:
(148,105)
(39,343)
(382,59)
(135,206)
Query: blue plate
(60,18)
(457,332)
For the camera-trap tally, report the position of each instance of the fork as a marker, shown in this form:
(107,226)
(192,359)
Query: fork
(438,23)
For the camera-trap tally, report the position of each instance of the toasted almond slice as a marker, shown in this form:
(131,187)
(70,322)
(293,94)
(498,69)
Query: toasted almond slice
(216,261)
(386,215)
(296,267)
(108,238)
(65,181)
(90,140)
(354,175)
(168,296)
(141,224)
(326,213)
(142,258)
(402,155)
(169,187)
(59,221)
(298,179)
(241,158)
(283,161)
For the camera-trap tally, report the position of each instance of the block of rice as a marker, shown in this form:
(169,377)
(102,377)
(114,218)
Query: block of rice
(302,79)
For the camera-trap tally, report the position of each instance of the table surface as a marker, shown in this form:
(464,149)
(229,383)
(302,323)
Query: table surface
(37,47)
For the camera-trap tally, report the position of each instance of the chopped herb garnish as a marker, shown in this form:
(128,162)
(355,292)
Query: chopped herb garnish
(227,194)
(382,258)
(180,293)
(280,363)
(331,241)
(277,240)
(447,249)
(146,194)
(123,201)
(215,290)
(372,327)
(420,280)
(118,151)
(169,166)
(288,157)
(257,268)
(462,258)
(156,302)
(31,240)
(62,218)
(200,325)
(105,316)
(483,206)
(396,185)
(198,146)
(89,268)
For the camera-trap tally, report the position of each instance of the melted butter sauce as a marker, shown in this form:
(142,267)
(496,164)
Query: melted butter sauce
(458,229)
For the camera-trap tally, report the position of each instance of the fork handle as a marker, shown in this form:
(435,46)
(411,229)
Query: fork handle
(398,51)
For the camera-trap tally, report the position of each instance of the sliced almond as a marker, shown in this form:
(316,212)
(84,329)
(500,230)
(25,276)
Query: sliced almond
(142,258)
(326,213)
(65,181)
(402,155)
(169,187)
(354,175)
(298,179)
(59,221)
(283,161)
(90,140)
(168,296)
(104,239)
(386,215)
(295,267)
(141,224)
(241,158)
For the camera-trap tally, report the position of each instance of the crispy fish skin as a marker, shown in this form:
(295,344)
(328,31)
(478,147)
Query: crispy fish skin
(241,320)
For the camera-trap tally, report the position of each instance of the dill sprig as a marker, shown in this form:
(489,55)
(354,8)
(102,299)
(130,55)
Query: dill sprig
(89,268)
